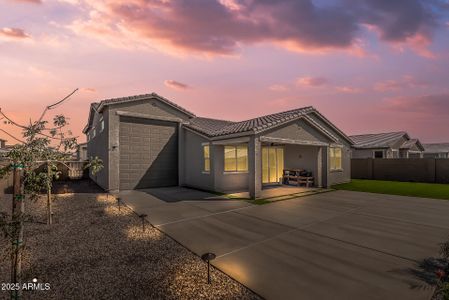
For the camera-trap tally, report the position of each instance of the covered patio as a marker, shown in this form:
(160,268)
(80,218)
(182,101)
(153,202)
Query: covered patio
(275,156)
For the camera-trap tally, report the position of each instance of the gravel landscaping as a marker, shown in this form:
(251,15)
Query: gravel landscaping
(95,251)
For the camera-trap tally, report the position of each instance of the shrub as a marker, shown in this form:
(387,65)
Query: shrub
(445,291)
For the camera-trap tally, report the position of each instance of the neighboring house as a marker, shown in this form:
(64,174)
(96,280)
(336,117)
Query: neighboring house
(81,152)
(148,141)
(436,150)
(3,148)
(386,145)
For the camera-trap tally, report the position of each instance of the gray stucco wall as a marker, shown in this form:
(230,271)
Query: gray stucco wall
(344,175)
(302,130)
(226,181)
(107,147)
(297,130)
(217,179)
(98,146)
(301,157)
(193,159)
(150,107)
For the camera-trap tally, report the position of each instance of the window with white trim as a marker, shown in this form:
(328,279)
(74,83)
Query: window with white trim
(206,157)
(236,158)
(335,154)
(101,125)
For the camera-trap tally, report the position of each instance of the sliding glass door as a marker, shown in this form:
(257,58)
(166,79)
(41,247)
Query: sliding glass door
(272,164)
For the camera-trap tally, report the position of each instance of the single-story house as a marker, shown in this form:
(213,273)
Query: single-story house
(386,145)
(436,150)
(148,141)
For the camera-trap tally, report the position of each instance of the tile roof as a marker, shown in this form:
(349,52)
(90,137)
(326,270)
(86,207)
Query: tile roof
(436,148)
(214,128)
(377,140)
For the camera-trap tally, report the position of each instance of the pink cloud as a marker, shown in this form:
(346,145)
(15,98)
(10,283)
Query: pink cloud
(13,33)
(176,85)
(402,83)
(348,90)
(29,1)
(278,88)
(220,27)
(437,104)
(312,81)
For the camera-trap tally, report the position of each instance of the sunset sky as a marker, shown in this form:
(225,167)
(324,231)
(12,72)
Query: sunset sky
(367,65)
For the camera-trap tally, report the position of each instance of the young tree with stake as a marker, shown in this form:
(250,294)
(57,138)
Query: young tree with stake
(41,142)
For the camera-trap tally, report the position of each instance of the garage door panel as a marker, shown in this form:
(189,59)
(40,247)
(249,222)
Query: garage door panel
(148,153)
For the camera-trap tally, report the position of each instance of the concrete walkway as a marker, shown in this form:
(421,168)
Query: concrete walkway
(335,245)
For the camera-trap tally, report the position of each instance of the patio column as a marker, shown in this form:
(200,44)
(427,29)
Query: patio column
(181,152)
(319,175)
(254,167)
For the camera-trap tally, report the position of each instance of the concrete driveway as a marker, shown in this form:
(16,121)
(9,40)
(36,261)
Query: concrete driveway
(335,245)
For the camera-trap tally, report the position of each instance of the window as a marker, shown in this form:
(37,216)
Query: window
(206,155)
(378,154)
(335,158)
(101,125)
(236,158)
(94,131)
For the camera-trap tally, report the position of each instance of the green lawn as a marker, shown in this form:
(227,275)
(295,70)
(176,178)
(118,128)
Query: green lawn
(414,189)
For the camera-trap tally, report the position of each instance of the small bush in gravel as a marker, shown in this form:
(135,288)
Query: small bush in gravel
(442,290)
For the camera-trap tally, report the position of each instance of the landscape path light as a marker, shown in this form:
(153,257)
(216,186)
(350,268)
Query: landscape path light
(207,257)
(119,203)
(142,217)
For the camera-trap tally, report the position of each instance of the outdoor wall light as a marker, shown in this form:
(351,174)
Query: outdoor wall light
(207,257)
(142,217)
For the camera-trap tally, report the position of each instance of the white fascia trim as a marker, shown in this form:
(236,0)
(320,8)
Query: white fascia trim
(241,140)
(290,141)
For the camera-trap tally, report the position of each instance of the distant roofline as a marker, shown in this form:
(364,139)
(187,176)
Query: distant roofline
(443,143)
(379,133)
